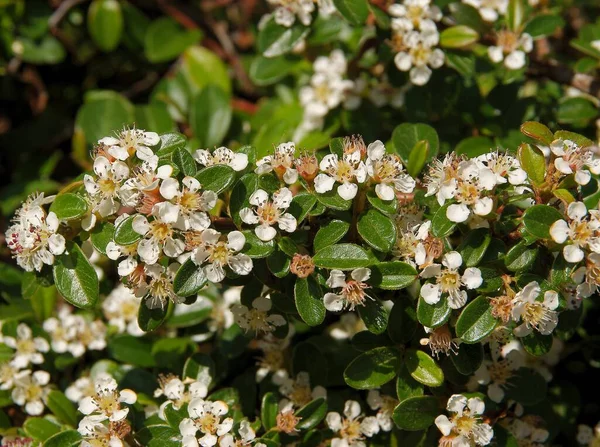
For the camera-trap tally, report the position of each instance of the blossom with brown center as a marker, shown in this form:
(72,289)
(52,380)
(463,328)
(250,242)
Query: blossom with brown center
(352,291)
(302,265)
(440,341)
(307,166)
(287,421)
(355,143)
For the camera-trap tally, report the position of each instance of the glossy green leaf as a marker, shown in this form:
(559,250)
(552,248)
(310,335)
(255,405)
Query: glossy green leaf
(67,438)
(184,161)
(210,115)
(515,14)
(124,233)
(311,414)
(520,257)
(476,321)
(406,386)
(468,358)
(403,321)
(407,135)
(441,226)
(166,39)
(269,410)
(474,246)
(40,428)
(433,315)
(62,408)
(255,248)
(69,206)
(417,158)
(539,218)
(75,278)
(354,11)
(373,368)
(132,350)
(458,37)
(423,368)
(342,257)
(309,301)
(377,230)
(416,413)
(374,315)
(393,275)
(101,235)
(275,40)
(330,233)
(216,178)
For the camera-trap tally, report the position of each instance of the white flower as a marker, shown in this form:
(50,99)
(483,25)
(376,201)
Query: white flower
(587,277)
(106,401)
(534,314)
(95,433)
(206,418)
(511,48)
(34,239)
(348,325)
(84,387)
(496,373)
(282,162)
(222,156)
(30,391)
(352,429)
(414,15)
(188,205)
(258,318)
(298,390)
(115,251)
(8,372)
(573,159)
(268,213)
(178,392)
(420,56)
(121,308)
(131,141)
(449,281)
(105,188)
(489,10)
(347,171)
(159,234)
(587,435)
(506,168)
(466,422)
(287,11)
(272,359)
(411,243)
(527,433)
(442,178)
(141,190)
(387,171)
(385,408)
(215,254)
(29,349)
(246,437)
(581,232)
(353,290)
(63,332)
(156,286)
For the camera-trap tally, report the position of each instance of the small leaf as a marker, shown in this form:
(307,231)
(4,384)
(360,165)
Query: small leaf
(377,230)
(515,14)
(210,115)
(342,256)
(441,226)
(539,218)
(301,205)
(474,146)
(216,178)
(537,344)
(423,368)
(458,37)
(40,428)
(533,162)
(374,315)
(309,301)
(407,135)
(474,246)
(101,235)
(132,350)
(389,207)
(354,11)
(476,321)
(105,24)
(330,233)
(538,132)
(69,206)
(166,39)
(416,413)
(403,322)
(169,142)
(240,195)
(520,257)
(527,387)
(576,138)
(311,414)
(417,158)
(189,279)
(468,358)
(184,161)
(373,368)
(433,315)
(124,233)
(332,199)
(269,410)
(406,386)
(543,25)
(393,275)
(151,319)
(275,40)
(75,278)
(62,408)
(255,248)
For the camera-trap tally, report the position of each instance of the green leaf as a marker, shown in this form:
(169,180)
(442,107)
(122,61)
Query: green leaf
(474,246)
(169,142)
(377,230)
(576,138)
(154,116)
(210,115)
(332,199)
(309,301)
(539,218)
(468,358)
(417,158)
(151,319)
(275,40)
(388,207)
(543,25)
(467,15)
(75,278)
(132,350)
(423,368)
(527,387)
(47,51)
(403,322)
(240,195)
(330,233)
(433,315)
(515,14)
(173,416)
(255,248)
(374,315)
(267,71)
(200,367)
(216,178)
(578,112)
(416,413)
(189,279)
(279,263)
(103,116)
(476,321)
(184,161)
(342,257)
(166,39)
(62,408)
(186,317)
(392,275)
(372,368)
(407,135)
(533,162)
(354,11)
(311,414)
(537,131)
(105,24)
(124,233)
(458,37)
(537,344)
(69,206)
(101,235)
(301,205)
(441,226)
(159,436)
(40,429)
(520,257)
(68,438)
(474,146)
(201,67)
(406,386)
(269,410)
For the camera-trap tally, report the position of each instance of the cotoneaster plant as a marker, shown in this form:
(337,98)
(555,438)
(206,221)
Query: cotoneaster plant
(371,296)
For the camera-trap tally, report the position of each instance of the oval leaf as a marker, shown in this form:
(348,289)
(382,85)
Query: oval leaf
(75,278)
(476,321)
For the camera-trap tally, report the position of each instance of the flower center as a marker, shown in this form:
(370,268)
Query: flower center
(190,201)
(107,403)
(287,421)
(467,192)
(33,392)
(449,281)
(535,314)
(414,13)
(160,230)
(209,423)
(219,253)
(257,320)
(508,40)
(500,372)
(300,395)
(387,169)
(268,213)
(351,430)
(25,346)
(420,55)
(344,172)
(108,186)
(354,293)
(465,423)
(581,232)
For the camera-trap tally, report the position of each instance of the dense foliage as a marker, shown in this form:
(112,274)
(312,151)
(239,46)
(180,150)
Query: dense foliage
(299,222)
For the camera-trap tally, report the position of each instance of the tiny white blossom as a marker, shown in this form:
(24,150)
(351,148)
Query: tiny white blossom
(574,159)
(420,55)
(96,433)
(156,285)
(347,171)
(222,156)
(266,213)
(534,314)
(73,333)
(104,190)
(188,205)
(387,171)
(384,405)
(131,142)
(411,15)
(511,48)
(281,162)
(28,349)
(489,10)
(214,254)
(286,11)
(587,277)
(121,308)
(159,235)
(587,435)
(466,422)
(30,391)
(298,390)
(206,421)
(106,401)
(448,280)
(582,231)
(258,318)
(352,429)
(352,290)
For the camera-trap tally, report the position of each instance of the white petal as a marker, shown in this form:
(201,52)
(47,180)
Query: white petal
(140,224)
(430,293)
(287,222)
(347,191)
(384,191)
(576,210)
(333,302)
(324,183)
(457,213)
(265,233)
(559,231)
(236,240)
(573,253)
(452,260)
(472,278)
(443,424)
(259,197)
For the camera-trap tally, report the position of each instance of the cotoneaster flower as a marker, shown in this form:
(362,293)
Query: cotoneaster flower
(159,235)
(420,56)
(131,142)
(222,156)
(282,162)
(215,254)
(352,291)
(511,48)
(352,429)
(387,172)
(384,405)
(449,281)
(188,204)
(258,318)
(28,349)
(534,314)
(206,421)
(347,171)
(465,427)
(582,232)
(30,391)
(414,15)
(268,213)
(105,189)
(489,10)
(155,285)
(574,159)
(107,400)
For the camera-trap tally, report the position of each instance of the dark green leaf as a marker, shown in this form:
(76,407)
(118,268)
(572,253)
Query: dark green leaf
(342,256)
(184,161)
(476,321)
(255,248)
(105,23)
(539,218)
(423,368)
(403,322)
(101,235)
(330,233)
(166,39)
(311,414)
(441,226)
(393,275)
(75,278)
(309,301)
(189,279)
(374,315)
(474,246)
(373,368)
(124,233)
(354,11)
(468,358)
(210,115)
(416,413)
(216,178)
(433,315)
(62,408)
(132,350)
(407,135)
(69,206)
(377,230)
